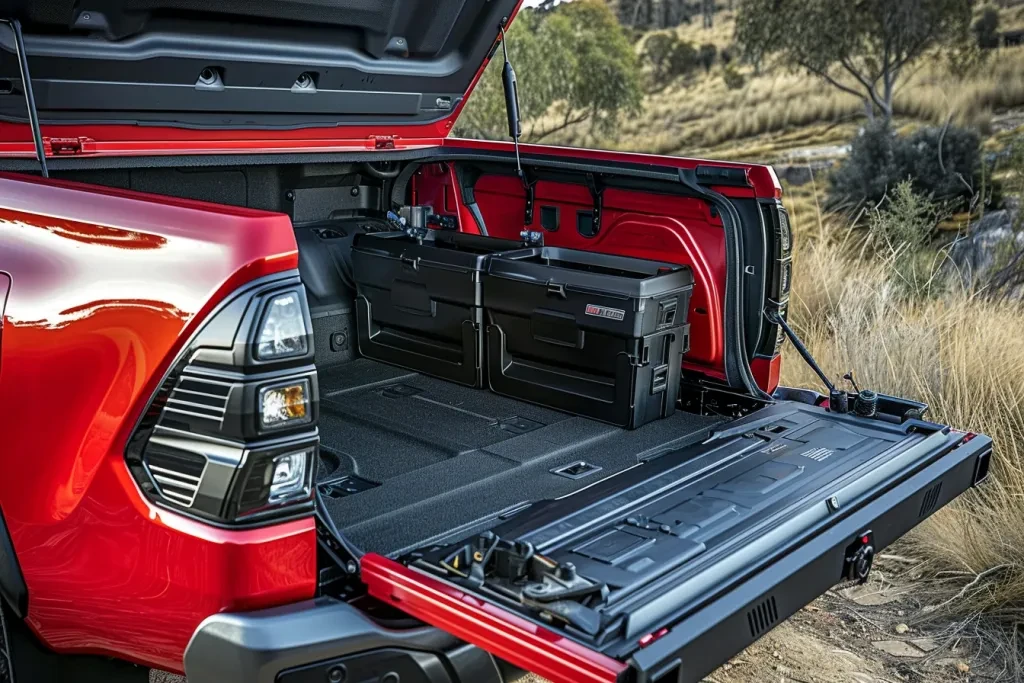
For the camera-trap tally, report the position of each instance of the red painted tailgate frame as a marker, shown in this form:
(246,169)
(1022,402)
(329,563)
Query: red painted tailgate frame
(504,634)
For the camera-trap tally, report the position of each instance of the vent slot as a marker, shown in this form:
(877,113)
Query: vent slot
(176,474)
(197,403)
(930,500)
(762,617)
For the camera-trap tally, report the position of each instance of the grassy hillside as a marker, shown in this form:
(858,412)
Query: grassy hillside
(778,110)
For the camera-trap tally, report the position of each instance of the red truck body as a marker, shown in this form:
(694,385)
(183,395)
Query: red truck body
(105,290)
(109,286)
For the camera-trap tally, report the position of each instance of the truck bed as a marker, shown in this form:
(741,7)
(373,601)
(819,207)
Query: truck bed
(408,459)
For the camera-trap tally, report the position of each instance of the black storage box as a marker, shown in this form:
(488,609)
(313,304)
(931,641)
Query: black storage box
(596,335)
(418,301)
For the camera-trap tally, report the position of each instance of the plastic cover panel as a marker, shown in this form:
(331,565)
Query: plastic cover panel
(239,64)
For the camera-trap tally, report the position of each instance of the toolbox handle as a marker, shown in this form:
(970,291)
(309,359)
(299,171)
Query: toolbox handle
(411,262)
(557,289)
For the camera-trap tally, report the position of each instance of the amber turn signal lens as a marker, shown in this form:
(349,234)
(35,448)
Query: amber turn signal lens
(285,404)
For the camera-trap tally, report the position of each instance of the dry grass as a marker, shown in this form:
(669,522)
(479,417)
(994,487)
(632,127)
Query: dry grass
(960,352)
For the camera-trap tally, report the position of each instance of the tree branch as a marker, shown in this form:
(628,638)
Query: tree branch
(868,85)
(566,122)
(832,81)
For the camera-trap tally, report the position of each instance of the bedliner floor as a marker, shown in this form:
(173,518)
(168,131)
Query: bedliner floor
(435,459)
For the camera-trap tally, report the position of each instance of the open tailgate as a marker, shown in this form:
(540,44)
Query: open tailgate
(665,571)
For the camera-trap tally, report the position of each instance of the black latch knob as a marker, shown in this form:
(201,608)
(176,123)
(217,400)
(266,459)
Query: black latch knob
(860,556)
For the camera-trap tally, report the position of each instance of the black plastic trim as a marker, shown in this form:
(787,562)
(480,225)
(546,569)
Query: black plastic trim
(12,582)
(228,343)
(256,647)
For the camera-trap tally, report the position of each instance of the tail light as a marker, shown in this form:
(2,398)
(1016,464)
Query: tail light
(780,273)
(231,434)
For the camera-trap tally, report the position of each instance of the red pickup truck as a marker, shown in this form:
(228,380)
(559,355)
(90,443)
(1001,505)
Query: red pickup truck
(206,468)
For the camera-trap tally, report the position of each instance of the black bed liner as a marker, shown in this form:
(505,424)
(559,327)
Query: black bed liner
(434,459)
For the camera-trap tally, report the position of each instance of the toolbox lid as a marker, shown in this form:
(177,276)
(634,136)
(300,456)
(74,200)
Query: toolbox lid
(442,248)
(619,275)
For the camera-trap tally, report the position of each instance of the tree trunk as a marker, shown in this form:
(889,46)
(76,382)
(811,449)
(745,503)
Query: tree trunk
(708,8)
(888,82)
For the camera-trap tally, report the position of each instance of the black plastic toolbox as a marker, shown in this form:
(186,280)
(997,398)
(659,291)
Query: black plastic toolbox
(596,335)
(418,301)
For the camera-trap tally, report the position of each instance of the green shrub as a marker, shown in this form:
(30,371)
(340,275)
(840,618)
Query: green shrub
(734,80)
(986,28)
(707,54)
(905,220)
(574,63)
(668,57)
(879,160)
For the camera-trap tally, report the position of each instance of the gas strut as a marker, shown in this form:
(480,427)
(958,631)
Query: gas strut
(515,130)
(838,401)
(30,98)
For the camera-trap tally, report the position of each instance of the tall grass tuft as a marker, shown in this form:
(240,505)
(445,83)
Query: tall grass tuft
(959,351)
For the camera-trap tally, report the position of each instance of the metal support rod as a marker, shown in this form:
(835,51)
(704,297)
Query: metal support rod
(801,349)
(30,98)
(515,138)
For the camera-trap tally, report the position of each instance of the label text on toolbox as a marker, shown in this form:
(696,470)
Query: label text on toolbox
(604,312)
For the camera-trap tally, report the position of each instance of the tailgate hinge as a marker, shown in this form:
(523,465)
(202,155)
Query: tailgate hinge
(529,185)
(596,188)
(68,146)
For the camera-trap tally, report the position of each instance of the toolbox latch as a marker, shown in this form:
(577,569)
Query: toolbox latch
(557,289)
(659,380)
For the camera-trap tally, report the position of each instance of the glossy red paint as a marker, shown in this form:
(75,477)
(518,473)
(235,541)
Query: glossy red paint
(767,372)
(130,140)
(644,225)
(436,185)
(106,285)
(498,631)
(108,140)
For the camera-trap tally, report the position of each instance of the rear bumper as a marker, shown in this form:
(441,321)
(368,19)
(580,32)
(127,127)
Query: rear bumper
(308,640)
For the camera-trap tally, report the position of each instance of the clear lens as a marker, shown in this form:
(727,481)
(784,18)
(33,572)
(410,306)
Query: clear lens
(284,405)
(785,234)
(283,329)
(287,476)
